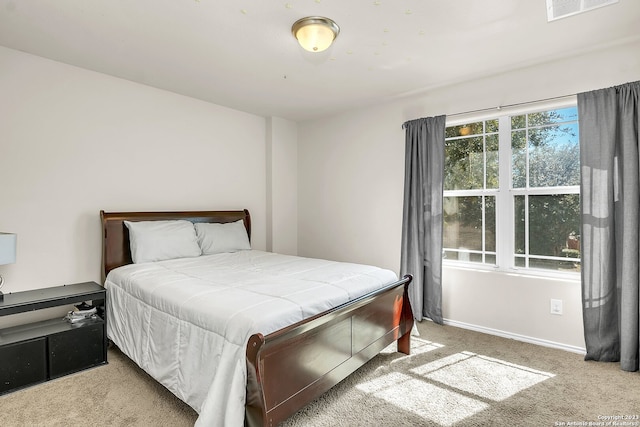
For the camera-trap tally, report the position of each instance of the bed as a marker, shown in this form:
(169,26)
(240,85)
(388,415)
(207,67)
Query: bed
(271,368)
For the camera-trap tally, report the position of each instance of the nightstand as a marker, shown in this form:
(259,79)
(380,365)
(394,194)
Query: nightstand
(36,352)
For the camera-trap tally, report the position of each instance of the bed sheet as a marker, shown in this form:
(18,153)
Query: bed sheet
(187,321)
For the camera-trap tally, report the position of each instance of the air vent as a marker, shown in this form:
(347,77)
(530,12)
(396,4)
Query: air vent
(557,9)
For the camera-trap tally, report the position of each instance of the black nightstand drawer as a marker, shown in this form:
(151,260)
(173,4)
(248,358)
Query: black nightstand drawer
(77,349)
(23,364)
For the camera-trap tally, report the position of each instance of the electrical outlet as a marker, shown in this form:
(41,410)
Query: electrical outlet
(556,306)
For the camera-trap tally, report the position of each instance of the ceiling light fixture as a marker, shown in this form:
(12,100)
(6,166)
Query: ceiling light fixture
(315,33)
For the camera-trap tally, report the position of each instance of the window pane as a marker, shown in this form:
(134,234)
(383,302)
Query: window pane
(519,159)
(464,130)
(553,116)
(545,153)
(475,257)
(554,231)
(469,256)
(462,223)
(554,156)
(490,224)
(551,264)
(464,164)
(491,126)
(450,255)
(518,122)
(519,224)
(552,221)
(493,159)
(463,228)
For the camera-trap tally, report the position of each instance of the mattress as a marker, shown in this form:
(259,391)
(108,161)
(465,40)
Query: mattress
(187,321)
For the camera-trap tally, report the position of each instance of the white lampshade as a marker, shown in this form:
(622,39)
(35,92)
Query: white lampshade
(8,243)
(315,33)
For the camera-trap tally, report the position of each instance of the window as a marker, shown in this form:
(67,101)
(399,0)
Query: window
(511,191)
(471,185)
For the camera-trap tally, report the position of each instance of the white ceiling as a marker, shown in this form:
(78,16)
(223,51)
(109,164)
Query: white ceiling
(241,54)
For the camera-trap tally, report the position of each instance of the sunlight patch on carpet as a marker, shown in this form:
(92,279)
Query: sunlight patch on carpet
(452,388)
(428,401)
(481,376)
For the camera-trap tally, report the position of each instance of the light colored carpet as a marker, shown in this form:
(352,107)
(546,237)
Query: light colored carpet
(454,377)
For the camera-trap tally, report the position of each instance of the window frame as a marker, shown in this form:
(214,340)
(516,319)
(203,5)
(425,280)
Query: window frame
(505,193)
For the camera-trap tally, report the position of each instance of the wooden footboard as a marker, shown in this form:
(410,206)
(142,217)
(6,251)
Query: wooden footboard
(290,367)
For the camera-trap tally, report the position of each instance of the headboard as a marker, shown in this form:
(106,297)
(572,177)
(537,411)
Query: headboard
(115,235)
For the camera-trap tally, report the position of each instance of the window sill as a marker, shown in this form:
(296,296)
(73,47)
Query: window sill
(534,274)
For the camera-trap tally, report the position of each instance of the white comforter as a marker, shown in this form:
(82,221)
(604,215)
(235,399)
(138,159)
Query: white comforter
(187,321)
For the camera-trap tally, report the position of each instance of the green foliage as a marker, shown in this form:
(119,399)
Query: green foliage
(465,156)
(552,220)
(463,225)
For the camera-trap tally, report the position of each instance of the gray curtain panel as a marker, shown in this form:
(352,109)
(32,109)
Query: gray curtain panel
(422,215)
(609,143)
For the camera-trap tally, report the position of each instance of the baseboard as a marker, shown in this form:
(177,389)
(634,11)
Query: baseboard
(517,337)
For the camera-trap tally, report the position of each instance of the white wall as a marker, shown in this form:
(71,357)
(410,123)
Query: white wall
(73,142)
(351,170)
(282,186)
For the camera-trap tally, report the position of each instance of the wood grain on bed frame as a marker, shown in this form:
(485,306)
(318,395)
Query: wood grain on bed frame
(289,368)
(115,235)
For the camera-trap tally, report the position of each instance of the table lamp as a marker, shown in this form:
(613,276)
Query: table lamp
(7,253)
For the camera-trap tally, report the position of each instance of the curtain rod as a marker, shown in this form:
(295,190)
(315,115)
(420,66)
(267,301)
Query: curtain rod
(499,107)
(517,104)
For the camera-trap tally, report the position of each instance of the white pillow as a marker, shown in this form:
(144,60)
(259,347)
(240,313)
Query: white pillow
(160,240)
(215,238)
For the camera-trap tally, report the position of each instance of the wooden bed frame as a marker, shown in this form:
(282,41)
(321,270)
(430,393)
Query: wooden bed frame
(289,368)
